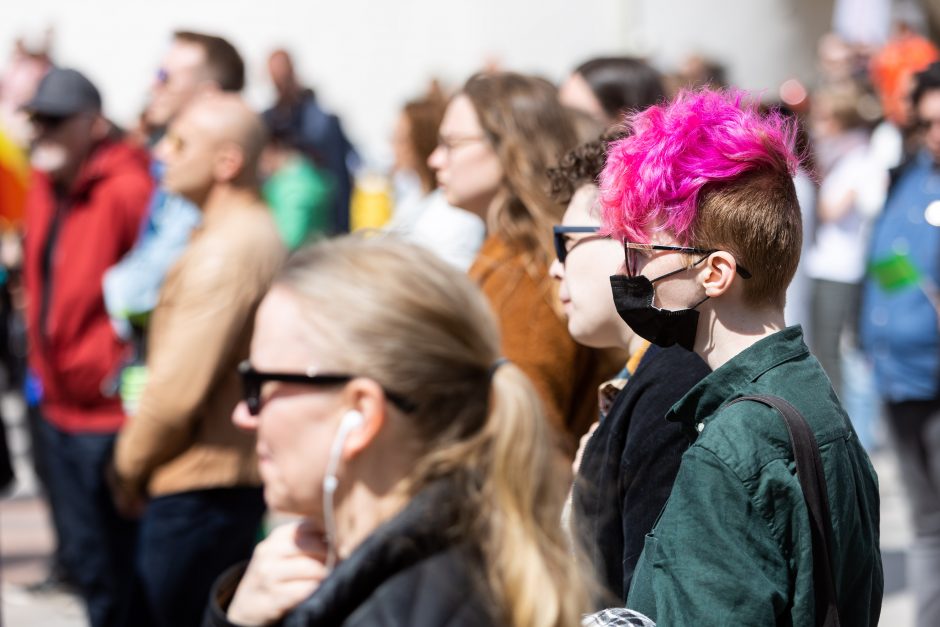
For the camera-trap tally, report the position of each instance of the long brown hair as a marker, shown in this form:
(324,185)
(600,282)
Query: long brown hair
(424,117)
(397,314)
(530,131)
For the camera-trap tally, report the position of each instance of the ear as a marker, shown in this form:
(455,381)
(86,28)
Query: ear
(367,397)
(229,161)
(720,273)
(100,127)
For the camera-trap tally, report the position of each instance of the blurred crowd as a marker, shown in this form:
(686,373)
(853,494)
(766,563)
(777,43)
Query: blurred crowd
(137,267)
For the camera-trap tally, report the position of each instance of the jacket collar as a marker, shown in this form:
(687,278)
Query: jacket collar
(731,379)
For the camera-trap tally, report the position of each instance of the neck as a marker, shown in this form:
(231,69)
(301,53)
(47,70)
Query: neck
(378,491)
(633,344)
(220,197)
(361,512)
(64,180)
(724,330)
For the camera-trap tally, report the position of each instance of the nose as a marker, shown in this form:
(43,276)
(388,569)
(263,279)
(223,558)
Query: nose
(436,158)
(243,419)
(557,270)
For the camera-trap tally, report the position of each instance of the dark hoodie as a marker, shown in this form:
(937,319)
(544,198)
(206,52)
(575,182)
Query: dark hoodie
(72,238)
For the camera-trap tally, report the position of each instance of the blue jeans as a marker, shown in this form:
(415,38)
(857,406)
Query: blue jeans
(186,541)
(96,544)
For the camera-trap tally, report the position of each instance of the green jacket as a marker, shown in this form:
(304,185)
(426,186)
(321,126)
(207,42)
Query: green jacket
(732,545)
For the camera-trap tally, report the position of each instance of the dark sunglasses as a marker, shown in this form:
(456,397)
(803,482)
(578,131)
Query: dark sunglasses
(48,123)
(632,252)
(561,239)
(253,380)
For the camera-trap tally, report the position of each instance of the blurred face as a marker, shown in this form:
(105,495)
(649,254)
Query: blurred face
(928,116)
(297,423)
(281,71)
(576,93)
(584,277)
(189,153)
(180,77)
(468,169)
(823,123)
(60,144)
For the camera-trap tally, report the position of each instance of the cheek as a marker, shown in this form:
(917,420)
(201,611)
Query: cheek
(292,459)
(588,278)
(476,175)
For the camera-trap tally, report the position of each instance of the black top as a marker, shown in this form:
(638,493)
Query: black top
(410,571)
(630,463)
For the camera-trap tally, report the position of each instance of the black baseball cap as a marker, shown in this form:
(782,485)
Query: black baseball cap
(64,92)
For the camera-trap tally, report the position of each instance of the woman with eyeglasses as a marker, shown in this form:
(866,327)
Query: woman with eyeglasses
(422,214)
(499,135)
(417,458)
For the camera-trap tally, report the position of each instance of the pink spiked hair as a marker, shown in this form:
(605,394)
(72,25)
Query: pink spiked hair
(653,177)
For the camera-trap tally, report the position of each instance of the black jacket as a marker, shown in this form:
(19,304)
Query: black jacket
(410,571)
(630,463)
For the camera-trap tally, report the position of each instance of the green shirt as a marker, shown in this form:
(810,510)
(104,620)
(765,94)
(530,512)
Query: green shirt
(732,546)
(300,197)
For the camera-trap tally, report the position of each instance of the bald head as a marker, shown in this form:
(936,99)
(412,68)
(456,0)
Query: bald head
(226,118)
(217,140)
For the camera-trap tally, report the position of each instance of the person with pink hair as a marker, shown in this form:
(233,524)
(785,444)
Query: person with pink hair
(701,193)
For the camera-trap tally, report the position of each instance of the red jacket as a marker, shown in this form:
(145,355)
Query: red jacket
(73,348)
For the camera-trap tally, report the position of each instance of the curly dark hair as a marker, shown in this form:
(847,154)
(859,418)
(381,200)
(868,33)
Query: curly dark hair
(581,166)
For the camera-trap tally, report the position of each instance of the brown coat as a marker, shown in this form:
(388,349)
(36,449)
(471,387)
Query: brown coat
(535,337)
(182,437)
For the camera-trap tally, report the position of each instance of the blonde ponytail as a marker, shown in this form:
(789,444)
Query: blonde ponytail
(526,486)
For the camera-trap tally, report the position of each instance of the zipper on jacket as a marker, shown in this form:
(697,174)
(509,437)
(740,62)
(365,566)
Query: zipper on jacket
(48,253)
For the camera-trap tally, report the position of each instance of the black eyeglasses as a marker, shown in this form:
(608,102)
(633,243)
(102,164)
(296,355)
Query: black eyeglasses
(632,252)
(252,380)
(561,240)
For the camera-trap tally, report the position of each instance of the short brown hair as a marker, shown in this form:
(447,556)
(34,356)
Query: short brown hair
(424,119)
(223,63)
(756,218)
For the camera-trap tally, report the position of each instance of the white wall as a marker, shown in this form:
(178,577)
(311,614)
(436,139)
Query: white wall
(366,57)
(763,42)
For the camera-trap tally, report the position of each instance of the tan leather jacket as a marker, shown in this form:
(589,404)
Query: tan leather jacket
(182,437)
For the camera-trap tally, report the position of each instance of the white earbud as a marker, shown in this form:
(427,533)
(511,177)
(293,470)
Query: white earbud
(351,420)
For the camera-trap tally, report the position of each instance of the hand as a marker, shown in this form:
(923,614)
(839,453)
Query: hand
(286,568)
(576,465)
(128,503)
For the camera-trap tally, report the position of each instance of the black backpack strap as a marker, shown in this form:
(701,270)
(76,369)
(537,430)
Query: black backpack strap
(809,471)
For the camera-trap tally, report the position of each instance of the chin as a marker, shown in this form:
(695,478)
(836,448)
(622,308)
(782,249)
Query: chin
(585,337)
(277,500)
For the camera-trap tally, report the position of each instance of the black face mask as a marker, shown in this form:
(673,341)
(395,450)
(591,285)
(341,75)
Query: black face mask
(633,298)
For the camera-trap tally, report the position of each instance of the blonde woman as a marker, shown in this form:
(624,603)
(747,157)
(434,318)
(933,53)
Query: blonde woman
(419,459)
(499,136)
